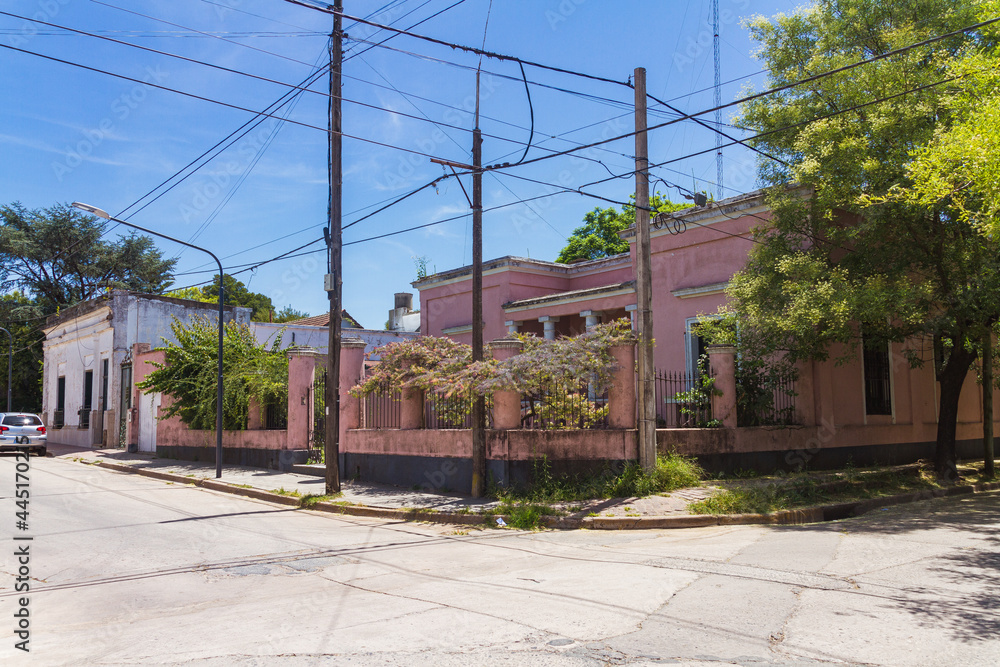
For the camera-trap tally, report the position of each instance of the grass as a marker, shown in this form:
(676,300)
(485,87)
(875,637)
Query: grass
(285,492)
(770,495)
(312,499)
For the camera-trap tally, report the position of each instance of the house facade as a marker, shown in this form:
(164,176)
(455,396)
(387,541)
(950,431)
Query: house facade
(875,408)
(87,373)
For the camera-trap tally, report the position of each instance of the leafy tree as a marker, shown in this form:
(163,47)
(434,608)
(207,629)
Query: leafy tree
(237,294)
(598,236)
(57,256)
(289,314)
(189,374)
(16,315)
(838,259)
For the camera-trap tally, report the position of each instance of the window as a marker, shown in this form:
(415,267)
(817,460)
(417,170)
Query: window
(22,420)
(59,418)
(104,385)
(695,346)
(878,389)
(88,398)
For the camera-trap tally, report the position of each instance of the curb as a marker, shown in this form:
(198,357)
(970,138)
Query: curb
(782,517)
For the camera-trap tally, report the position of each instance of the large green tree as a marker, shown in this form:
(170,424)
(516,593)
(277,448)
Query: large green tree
(237,294)
(598,236)
(58,256)
(840,263)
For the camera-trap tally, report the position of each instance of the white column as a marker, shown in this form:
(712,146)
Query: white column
(630,309)
(593,318)
(550,326)
(513,326)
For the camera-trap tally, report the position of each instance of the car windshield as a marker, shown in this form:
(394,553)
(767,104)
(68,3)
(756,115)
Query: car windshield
(21,420)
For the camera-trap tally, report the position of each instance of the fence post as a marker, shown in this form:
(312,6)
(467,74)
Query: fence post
(621,394)
(255,415)
(352,369)
(506,404)
(301,375)
(722,359)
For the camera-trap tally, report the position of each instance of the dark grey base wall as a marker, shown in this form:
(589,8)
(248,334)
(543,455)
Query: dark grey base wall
(455,474)
(831,458)
(274,459)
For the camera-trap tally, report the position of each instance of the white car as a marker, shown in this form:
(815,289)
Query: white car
(22,431)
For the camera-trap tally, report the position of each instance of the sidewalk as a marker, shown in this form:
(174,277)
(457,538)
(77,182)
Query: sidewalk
(395,503)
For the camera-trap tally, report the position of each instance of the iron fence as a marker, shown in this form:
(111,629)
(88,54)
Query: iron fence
(58,418)
(275,418)
(382,409)
(566,406)
(682,400)
(317,439)
(770,403)
(442,411)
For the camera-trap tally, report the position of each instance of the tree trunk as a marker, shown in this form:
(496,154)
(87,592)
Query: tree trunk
(952,378)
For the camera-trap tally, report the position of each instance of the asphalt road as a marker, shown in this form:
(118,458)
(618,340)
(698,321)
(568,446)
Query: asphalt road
(129,570)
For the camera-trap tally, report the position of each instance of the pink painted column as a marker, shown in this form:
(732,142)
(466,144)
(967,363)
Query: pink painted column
(255,415)
(722,359)
(506,404)
(621,394)
(301,377)
(805,401)
(411,409)
(352,369)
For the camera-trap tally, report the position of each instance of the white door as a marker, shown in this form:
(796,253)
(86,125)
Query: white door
(149,406)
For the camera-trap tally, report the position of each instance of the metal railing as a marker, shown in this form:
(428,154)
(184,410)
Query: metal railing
(382,409)
(58,418)
(565,406)
(681,400)
(770,404)
(442,411)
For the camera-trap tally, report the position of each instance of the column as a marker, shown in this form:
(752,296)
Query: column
(593,318)
(621,394)
(722,359)
(513,326)
(549,323)
(631,310)
(352,370)
(301,377)
(506,404)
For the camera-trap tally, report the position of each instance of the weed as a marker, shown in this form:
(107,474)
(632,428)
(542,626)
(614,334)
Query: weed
(284,492)
(312,499)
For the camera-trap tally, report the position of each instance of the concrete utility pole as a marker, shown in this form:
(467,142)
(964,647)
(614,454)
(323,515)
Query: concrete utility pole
(644,280)
(334,281)
(479,404)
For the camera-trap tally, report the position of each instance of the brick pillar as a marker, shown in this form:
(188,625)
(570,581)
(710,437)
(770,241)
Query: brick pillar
(352,370)
(255,415)
(411,409)
(621,394)
(805,401)
(722,359)
(301,377)
(506,404)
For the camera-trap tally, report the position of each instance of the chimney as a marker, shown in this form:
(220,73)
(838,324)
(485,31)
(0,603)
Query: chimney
(404,300)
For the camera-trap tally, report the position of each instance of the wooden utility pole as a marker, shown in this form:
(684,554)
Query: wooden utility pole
(479,403)
(334,281)
(644,280)
(988,470)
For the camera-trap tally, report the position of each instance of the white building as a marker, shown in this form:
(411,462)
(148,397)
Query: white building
(87,376)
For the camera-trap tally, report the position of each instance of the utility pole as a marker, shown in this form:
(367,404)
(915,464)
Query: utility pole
(334,281)
(644,280)
(479,403)
(989,470)
(718,99)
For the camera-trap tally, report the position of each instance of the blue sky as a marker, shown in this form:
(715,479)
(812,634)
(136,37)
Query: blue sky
(68,133)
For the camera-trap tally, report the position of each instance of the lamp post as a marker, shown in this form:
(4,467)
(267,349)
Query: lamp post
(100,213)
(10,365)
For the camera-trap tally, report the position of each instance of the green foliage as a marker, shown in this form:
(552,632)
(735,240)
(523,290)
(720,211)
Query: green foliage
(57,257)
(189,374)
(566,407)
(237,294)
(18,315)
(191,294)
(598,236)
(289,314)
(839,255)
(697,401)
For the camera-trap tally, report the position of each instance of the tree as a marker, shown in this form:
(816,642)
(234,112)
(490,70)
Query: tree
(840,263)
(598,236)
(16,315)
(289,314)
(237,294)
(252,371)
(57,256)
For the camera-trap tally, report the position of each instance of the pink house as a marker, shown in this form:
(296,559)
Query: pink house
(874,409)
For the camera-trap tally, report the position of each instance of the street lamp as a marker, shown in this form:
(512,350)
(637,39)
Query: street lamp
(100,213)
(10,364)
